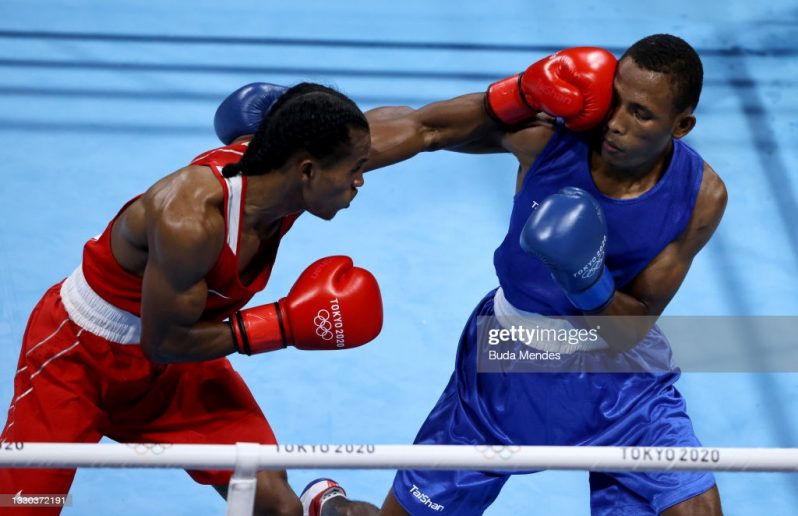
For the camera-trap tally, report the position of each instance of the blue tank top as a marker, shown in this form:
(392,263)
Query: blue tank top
(638,229)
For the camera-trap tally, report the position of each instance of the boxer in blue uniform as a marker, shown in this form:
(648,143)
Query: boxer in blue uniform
(609,212)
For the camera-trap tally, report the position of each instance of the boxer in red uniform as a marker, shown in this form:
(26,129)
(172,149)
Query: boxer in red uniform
(132,344)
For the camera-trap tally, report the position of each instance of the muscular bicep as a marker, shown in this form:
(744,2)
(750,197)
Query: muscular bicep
(528,142)
(174,291)
(394,139)
(167,307)
(656,285)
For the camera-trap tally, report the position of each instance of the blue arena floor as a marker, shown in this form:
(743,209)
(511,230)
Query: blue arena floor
(99,99)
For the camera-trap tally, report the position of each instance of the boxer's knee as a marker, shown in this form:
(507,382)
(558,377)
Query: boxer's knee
(391,506)
(344,507)
(705,504)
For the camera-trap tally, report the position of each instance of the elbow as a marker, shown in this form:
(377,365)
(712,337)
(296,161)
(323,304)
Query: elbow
(621,333)
(432,139)
(156,352)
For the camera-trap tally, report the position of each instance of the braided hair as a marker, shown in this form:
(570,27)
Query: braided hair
(308,117)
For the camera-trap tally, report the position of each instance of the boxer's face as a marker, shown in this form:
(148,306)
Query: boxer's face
(642,119)
(333,187)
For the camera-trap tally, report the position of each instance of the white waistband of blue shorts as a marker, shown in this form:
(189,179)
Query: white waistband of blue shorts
(509,316)
(96,315)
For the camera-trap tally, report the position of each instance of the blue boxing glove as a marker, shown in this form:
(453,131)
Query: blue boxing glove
(243,110)
(569,234)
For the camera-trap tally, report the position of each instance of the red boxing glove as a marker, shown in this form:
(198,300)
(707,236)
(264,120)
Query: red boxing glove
(333,305)
(574,84)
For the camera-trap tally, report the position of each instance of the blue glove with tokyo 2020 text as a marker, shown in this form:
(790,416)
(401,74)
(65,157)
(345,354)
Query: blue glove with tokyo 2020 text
(568,233)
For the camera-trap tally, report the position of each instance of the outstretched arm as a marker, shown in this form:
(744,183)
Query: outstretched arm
(400,133)
(575,84)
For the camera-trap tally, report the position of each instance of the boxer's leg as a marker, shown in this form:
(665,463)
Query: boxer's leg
(625,494)
(655,416)
(450,422)
(460,493)
(54,401)
(201,403)
(704,504)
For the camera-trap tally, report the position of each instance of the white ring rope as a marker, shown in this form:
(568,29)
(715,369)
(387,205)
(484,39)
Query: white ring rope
(351,456)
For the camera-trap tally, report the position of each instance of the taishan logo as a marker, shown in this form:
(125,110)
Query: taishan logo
(424,499)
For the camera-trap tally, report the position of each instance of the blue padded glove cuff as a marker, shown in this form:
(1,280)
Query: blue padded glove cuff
(596,297)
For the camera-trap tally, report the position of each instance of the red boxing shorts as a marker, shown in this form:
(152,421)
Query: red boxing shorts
(73,386)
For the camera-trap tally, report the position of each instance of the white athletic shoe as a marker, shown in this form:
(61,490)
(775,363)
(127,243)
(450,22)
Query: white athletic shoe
(317,493)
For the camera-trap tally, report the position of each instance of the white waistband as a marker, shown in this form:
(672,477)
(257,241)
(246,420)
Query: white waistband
(96,315)
(509,316)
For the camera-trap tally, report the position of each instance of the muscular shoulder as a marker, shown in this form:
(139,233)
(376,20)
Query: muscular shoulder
(709,207)
(185,224)
(713,189)
(712,197)
(527,143)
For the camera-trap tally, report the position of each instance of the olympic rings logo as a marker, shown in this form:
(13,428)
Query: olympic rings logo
(323,325)
(502,452)
(146,448)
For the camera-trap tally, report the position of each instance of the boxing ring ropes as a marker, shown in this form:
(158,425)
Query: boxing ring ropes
(247,458)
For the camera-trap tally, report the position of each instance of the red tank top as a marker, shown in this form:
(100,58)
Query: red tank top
(226,292)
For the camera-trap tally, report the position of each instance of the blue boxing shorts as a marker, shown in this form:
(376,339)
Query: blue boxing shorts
(558,409)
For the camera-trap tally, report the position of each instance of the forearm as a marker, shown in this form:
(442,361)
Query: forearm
(633,312)
(623,323)
(450,124)
(196,343)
